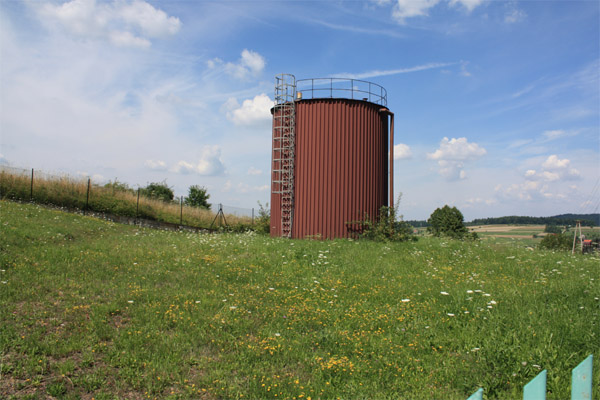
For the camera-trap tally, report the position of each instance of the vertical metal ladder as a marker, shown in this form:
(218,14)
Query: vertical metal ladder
(284,142)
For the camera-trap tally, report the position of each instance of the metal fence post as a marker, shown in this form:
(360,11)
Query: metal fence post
(137,206)
(87,196)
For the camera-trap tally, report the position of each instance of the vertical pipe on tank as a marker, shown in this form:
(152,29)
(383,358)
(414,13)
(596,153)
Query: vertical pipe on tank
(391,159)
(391,167)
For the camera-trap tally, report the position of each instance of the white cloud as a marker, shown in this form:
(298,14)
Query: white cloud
(468,4)
(404,9)
(156,165)
(152,22)
(553,162)
(452,154)
(515,15)
(127,39)
(554,169)
(251,112)
(457,150)
(209,163)
(402,152)
(554,134)
(412,8)
(254,171)
(250,64)
(378,73)
(545,182)
(123,23)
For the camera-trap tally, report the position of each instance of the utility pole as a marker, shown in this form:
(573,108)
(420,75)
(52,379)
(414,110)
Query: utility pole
(578,225)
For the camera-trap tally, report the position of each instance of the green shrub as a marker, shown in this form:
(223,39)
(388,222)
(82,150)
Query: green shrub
(389,226)
(555,241)
(262,224)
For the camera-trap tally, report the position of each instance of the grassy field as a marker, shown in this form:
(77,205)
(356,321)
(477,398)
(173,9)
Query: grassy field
(91,309)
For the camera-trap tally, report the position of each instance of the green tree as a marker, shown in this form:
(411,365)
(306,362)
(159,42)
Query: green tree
(447,221)
(160,191)
(198,197)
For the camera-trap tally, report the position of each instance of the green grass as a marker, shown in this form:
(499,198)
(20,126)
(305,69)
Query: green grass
(94,309)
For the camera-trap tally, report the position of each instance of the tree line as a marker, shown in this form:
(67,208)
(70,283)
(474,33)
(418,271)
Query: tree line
(561,220)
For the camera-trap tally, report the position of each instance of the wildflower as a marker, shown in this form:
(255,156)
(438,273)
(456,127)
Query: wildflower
(271,288)
(278,334)
(232,307)
(405,300)
(469,291)
(130,301)
(444,293)
(450,315)
(475,349)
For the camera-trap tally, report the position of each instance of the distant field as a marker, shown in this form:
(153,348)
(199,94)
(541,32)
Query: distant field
(518,234)
(92,309)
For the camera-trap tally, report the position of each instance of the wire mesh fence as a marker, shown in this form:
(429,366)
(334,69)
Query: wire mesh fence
(81,193)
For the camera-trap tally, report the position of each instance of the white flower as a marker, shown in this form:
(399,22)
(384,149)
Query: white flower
(469,291)
(271,288)
(450,315)
(232,307)
(278,334)
(130,301)
(444,293)
(405,300)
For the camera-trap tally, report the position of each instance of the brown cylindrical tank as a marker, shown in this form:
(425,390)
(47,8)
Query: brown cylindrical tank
(340,167)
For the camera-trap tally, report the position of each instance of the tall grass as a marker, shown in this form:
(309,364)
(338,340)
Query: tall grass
(72,193)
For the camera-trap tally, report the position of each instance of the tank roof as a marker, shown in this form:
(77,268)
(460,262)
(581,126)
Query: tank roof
(340,88)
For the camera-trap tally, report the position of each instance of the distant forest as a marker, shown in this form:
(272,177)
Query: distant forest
(563,219)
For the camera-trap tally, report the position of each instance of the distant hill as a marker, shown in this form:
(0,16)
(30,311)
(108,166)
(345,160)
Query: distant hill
(562,219)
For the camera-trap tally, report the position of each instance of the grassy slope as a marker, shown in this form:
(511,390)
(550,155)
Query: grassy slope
(94,309)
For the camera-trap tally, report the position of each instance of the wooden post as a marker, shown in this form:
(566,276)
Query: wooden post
(180,210)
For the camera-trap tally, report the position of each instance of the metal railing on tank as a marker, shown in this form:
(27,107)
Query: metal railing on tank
(333,88)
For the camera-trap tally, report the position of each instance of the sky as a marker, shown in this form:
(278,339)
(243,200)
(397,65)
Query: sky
(496,103)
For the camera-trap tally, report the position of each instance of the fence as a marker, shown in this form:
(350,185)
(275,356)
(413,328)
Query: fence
(581,384)
(81,193)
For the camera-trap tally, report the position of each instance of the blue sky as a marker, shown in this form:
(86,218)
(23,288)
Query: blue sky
(497,103)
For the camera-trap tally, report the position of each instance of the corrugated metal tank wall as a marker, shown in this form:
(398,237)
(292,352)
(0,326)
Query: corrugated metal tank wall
(341,169)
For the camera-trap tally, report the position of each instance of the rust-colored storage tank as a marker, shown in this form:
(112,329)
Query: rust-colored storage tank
(332,156)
